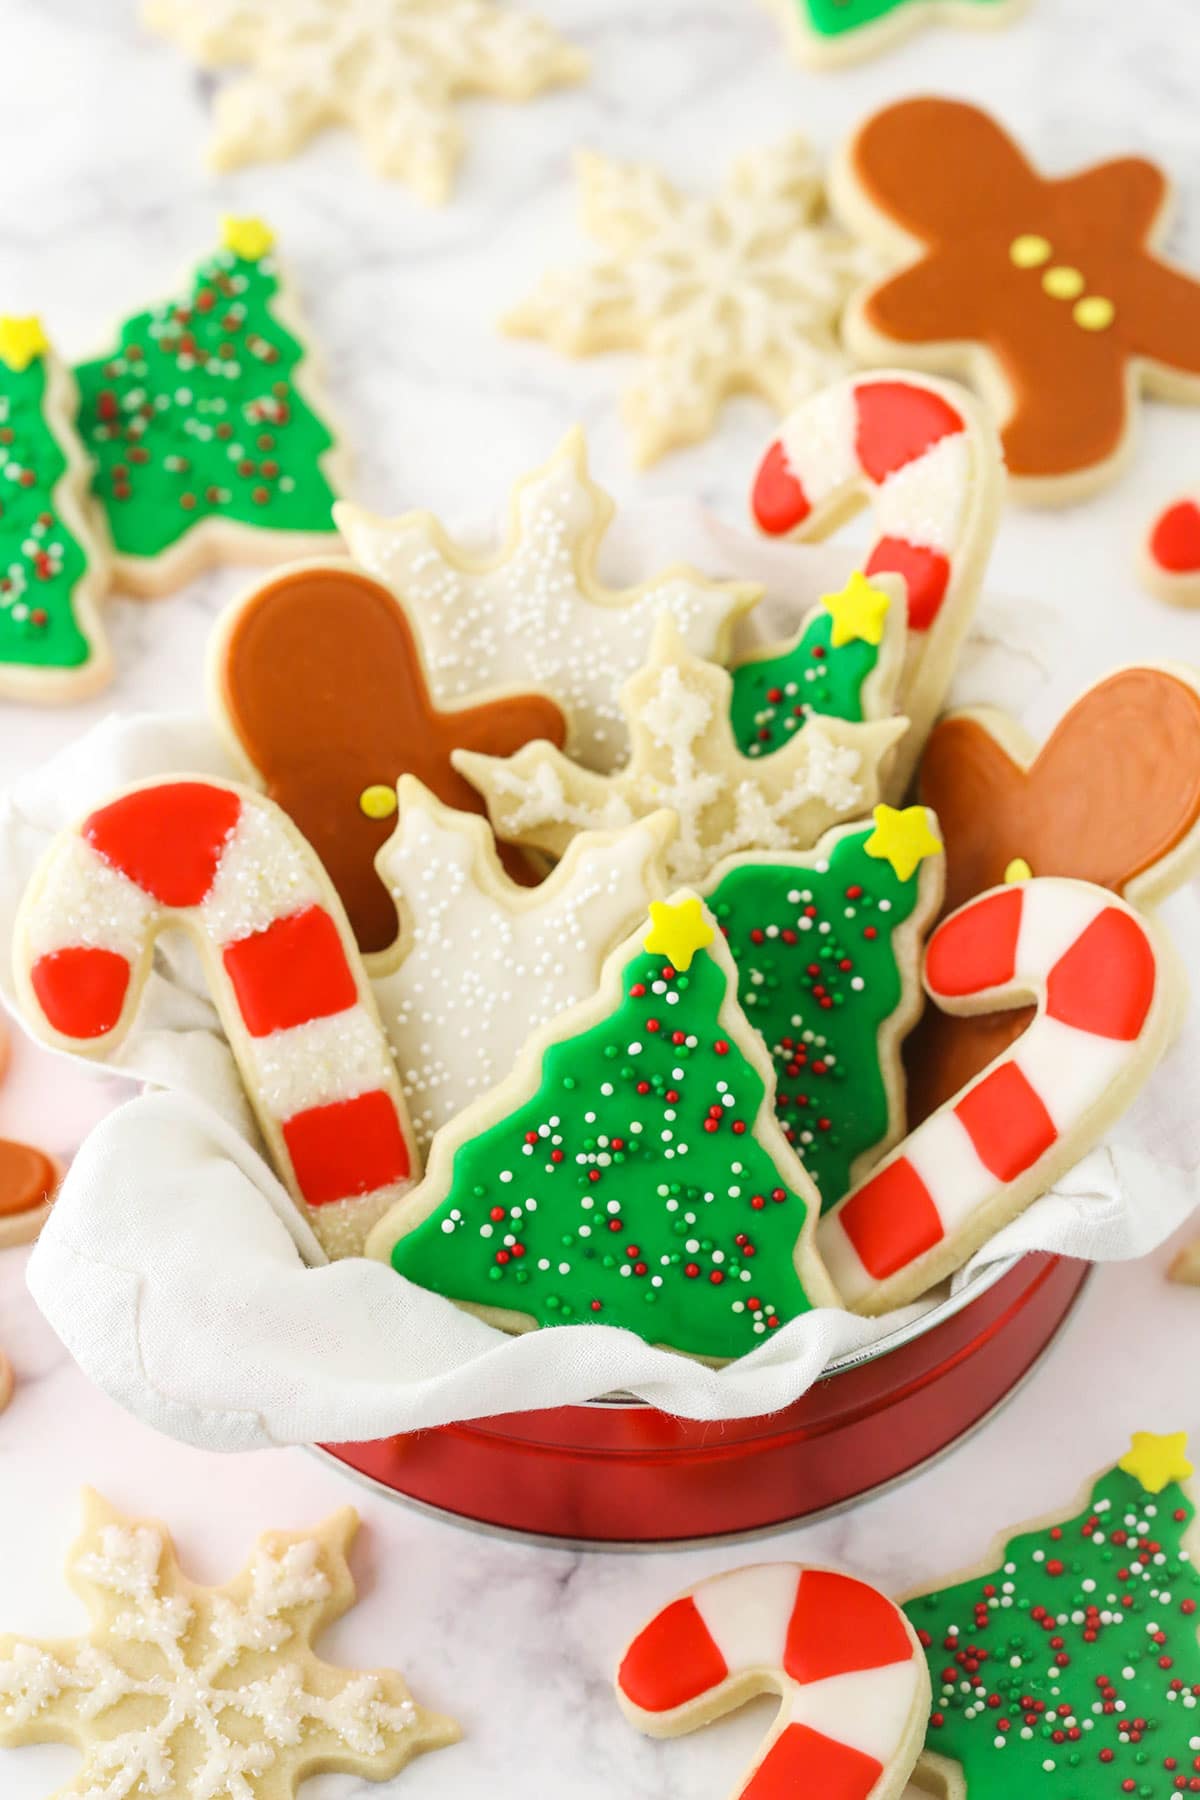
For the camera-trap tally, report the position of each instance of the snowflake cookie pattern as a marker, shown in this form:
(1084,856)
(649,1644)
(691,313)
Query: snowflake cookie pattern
(1067,1664)
(739,293)
(535,615)
(685,756)
(391,70)
(191,1693)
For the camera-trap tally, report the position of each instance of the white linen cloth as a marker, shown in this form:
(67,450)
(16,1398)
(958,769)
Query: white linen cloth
(177,1272)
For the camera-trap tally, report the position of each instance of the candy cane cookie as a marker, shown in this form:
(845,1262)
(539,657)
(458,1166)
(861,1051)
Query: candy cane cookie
(230,868)
(843,1659)
(927,460)
(1170,557)
(1107,997)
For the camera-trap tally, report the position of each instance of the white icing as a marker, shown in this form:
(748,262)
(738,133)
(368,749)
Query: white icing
(820,443)
(846,1268)
(182,1655)
(84,901)
(315,1064)
(747,1613)
(485,962)
(537,619)
(925,502)
(867,1708)
(743,289)
(943,1155)
(390,69)
(264,874)
(1054,915)
(1070,1070)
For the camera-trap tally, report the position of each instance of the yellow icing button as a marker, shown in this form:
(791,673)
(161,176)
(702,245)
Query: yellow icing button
(1018,870)
(1029,251)
(21,340)
(1062,282)
(248,238)
(1094,313)
(378,801)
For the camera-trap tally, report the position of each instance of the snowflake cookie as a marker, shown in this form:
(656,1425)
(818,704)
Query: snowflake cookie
(535,615)
(483,961)
(739,293)
(685,755)
(389,69)
(192,1693)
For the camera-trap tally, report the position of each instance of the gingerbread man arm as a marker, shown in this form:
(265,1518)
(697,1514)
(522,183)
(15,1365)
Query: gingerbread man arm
(924,164)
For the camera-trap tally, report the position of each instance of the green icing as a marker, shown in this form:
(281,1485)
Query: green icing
(629,1189)
(1072,1670)
(818,977)
(833,18)
(195,414)
(773,697)
(41,563)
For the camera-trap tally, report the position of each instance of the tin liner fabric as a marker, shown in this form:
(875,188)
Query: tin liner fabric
(180,1277)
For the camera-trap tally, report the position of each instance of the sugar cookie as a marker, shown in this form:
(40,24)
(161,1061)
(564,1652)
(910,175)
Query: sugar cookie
(184,1690)
(827,34)
(652,1099)
(1170,556)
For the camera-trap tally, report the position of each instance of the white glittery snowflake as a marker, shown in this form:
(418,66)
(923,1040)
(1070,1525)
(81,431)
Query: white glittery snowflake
(741,292)
(390,69)
(192,1693)
(684,756)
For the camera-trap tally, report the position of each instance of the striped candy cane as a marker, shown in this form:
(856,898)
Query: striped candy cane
(229,866)
(1105,1014)
(843,1659)
(1171,553)
(922,454)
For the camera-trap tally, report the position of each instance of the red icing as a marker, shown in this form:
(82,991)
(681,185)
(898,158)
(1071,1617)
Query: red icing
(294,971)
(1105,982)
(926,575)
(976,948)
(81,991)
(1007,1121)
(898,423)
(840,1626)
(1175,540)
(168,839)
(672,1661)
(803,1764)
(350,1147)
(779,502)
(891,1220)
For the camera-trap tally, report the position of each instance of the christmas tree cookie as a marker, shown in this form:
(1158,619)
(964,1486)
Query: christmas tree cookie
(1068,1665)
(845,662)
(54,564)
(210,436)
(183,1691)
(828,953)
(829,33)
(685,755)
(629,1171)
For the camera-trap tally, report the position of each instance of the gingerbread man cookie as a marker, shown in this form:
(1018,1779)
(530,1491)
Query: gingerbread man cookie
(182,1690)
(28,1179)
(1049,292)
(1170,556)
(826,34)
(320,685)
(1112,797)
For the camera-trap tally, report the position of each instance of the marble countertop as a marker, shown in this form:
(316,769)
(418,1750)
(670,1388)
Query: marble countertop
(103,199)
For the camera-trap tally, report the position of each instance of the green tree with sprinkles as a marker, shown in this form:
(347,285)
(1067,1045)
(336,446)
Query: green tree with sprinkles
(843,663)
(200,417)
(828,950)
(1071,1668)
(630,1172)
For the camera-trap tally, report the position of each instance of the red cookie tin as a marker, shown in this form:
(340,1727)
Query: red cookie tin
(617,1473)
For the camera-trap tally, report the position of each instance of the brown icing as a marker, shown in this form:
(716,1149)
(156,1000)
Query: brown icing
(27,1179)
(321,680)
(1113,791)
(947,175)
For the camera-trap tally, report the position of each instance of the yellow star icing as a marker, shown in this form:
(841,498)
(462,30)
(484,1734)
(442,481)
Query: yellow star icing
(20,341)
(902,837)
(858,611)
(248,238)
(1018,870)
(677,931)
(1156,1461)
